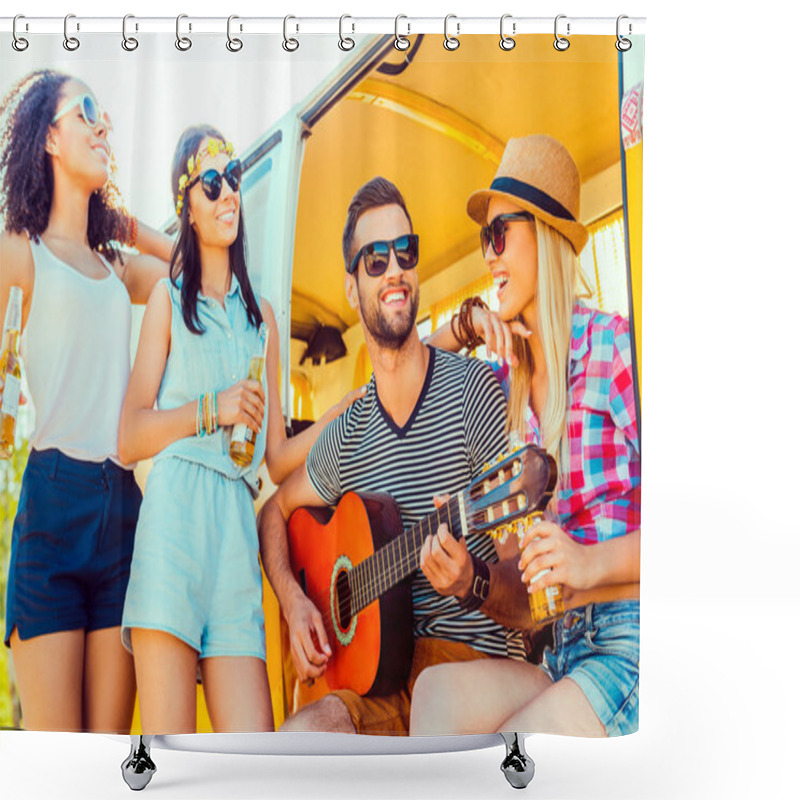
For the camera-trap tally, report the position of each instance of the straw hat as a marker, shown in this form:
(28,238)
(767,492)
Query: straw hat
(537,173)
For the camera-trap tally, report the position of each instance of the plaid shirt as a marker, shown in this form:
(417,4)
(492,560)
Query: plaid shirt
(599,494)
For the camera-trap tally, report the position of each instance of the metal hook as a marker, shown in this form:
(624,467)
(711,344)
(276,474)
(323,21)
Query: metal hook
(129,43)
(622,44)
(290,44)
(506,42)
(183,43)
(345,42)
(401,42)
(20,43)
(234,44)
(451,42)
(561,44)
(71,43)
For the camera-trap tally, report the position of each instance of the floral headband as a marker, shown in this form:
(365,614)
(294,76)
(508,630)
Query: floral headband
(213,147)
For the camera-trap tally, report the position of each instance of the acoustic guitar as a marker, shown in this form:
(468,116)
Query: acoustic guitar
(355,564)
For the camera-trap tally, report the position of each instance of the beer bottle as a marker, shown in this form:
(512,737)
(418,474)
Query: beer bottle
(546,604)
(10,371)
(243,438)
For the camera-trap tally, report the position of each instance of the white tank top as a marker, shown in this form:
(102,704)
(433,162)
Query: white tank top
(76,353)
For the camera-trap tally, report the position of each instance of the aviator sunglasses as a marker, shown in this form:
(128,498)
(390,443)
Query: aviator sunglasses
(211,179)
(377,254)
(494,233)
(90,111)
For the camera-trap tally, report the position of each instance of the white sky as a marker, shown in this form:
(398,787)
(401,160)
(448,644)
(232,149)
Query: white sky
(155,92)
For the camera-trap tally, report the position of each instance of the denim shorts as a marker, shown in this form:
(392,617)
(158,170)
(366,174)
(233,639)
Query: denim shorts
(71,545)
(597,646)
(195,571)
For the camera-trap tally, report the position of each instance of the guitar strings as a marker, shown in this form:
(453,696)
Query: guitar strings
(369,579)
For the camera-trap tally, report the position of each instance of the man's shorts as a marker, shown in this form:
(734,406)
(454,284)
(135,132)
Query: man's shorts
(390,715)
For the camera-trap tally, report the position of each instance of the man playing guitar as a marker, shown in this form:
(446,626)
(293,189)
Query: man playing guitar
(427,424)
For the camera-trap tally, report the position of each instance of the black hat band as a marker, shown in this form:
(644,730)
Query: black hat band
(533,195)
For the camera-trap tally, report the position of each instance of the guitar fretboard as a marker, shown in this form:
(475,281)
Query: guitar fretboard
(398,559)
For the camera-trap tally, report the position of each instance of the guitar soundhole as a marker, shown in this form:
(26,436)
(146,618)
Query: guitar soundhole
(343,599)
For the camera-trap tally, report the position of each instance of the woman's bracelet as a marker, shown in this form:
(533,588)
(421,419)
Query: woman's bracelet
(461,324)
(206,421)
(198,418)
(213,413)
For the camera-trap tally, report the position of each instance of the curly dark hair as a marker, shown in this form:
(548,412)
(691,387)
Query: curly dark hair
(186,251)
(26,171)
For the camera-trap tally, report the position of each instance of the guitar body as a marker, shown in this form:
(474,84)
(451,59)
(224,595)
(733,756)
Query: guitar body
(356,566)
(372,651)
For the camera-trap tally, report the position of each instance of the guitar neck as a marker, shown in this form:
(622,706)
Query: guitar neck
(393,563)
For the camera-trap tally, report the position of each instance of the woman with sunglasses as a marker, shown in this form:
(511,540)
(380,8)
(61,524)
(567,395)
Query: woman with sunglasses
(73,531)
(568,378)
(195,593)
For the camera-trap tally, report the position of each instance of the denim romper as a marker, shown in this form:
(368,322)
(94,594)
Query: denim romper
(195,571)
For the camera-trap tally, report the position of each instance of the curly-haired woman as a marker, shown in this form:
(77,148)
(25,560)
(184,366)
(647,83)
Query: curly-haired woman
(78,506)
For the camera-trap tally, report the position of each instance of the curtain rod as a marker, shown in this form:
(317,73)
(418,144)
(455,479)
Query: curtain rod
(348,25)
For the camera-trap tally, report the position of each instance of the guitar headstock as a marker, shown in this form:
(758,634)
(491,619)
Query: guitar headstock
(513,486)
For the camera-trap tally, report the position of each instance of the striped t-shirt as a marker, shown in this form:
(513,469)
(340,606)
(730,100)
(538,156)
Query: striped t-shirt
(457,426)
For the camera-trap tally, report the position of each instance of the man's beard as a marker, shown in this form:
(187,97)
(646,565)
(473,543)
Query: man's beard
(388,335)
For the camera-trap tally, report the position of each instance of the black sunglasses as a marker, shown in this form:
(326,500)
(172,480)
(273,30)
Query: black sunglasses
(211,179)
(494,233)
(377,254)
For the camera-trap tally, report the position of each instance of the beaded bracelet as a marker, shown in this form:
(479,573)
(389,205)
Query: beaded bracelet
(198,418)
(206,420)
(213,414)
(466,335)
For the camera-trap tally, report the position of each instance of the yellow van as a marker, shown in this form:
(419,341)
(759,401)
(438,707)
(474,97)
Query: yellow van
(435,123)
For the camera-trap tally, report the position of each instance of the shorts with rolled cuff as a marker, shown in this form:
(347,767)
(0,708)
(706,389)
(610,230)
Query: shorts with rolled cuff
(71,545)
(597,646)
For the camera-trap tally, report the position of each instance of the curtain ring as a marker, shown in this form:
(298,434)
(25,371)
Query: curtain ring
(561,44)
(345,42)
(401,42)
(71,43)
(506,42)
(129,43)
(20,43)
(290,44)
(622,44)
(234,44)
(451,42)
(183,43)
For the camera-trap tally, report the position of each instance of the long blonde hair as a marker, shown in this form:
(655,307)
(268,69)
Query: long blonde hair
(560,283)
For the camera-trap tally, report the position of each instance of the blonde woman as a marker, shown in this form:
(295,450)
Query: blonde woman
(567,373)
